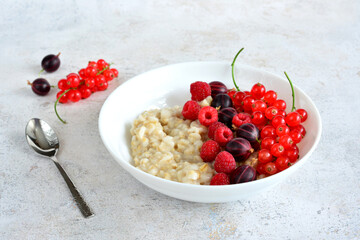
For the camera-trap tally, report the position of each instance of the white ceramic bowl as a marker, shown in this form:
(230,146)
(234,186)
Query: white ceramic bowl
(169,86)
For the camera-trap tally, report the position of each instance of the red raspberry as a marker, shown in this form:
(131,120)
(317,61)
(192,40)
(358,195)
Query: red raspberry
(223,135)
(220,179)
(224,162)
(208,115)
(191,110)
(213,127)
(241,118)
(209,150)
(200,90)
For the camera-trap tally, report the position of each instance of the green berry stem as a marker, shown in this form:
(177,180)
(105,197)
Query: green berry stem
(57,100)
(41,71)
(292,92)
(232,69)
(105,68)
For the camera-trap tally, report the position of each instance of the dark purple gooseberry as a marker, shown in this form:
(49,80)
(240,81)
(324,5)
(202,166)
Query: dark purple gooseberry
(250,132)
(241,174)
(226,115)
(51,63)
(222,100)
(217,88)
(240,148)
(40,86)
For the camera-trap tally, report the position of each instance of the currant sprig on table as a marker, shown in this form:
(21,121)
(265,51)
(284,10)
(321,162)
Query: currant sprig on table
(76,86)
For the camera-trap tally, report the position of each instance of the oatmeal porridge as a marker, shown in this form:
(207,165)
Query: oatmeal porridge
(166,145)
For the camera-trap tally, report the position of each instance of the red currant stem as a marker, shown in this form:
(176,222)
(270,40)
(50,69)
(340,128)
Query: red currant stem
(105,68)
(232,69)
(57,100)
(292,92)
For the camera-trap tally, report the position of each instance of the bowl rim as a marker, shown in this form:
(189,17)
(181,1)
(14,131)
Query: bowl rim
(128,166)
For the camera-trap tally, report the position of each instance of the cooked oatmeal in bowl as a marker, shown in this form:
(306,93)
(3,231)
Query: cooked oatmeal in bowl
(166,145)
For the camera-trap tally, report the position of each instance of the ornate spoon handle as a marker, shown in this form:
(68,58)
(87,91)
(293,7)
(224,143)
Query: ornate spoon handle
(84,208)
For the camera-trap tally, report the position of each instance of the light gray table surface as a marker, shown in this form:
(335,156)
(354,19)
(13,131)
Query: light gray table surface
(317,42)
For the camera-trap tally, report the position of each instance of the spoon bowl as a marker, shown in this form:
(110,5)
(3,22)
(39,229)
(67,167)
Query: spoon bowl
(43,139)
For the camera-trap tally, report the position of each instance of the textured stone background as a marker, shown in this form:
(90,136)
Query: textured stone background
(317,42)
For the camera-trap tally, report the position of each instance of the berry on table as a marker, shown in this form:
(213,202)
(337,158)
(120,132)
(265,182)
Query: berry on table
(40,86)
(88,80)
(50,63)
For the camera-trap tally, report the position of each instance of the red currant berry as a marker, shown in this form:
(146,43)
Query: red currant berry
(267,142)
(231,94)
(90,71)
(265,156)
(268,131)
(270,97)
(238,98)
(63,85)
(82,73)
(63,99)
(280,104)
(286,141)
(295,136)
(74,95)
(103,87)
(101,64)
(247,103)
(301,130)
(258,105)
(277,150)
(271,112)
(90,82)
(258,91)
(282,130)
(270,168)
(278,120)
(92,64)
(260,168)
(99,80)
(74,80)
(292,153)
(109,75)
(293,119)
(282,113)
(303,114)
(282,163)
(258,118)
(85,91)
(115,72)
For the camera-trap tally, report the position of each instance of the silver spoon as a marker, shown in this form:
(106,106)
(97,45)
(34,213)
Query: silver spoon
(42,138)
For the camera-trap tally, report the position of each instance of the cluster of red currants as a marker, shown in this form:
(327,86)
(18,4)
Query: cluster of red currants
(279,131)
(95,77)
